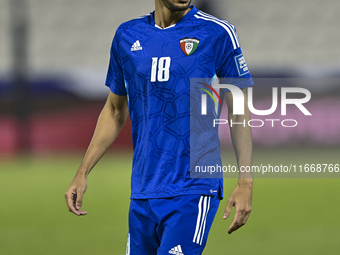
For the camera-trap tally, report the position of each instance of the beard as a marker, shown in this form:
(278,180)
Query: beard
(175,7)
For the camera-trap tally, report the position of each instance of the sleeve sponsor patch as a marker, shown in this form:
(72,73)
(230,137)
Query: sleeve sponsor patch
(241,64)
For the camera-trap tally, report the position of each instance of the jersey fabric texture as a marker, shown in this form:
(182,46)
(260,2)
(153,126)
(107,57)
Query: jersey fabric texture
(178,225)
(153,66)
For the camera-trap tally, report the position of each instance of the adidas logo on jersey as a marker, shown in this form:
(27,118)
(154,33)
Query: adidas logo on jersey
(176,250)
(136,46)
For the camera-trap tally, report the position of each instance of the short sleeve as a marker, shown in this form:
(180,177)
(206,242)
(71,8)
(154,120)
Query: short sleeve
(115,77)
(231,64)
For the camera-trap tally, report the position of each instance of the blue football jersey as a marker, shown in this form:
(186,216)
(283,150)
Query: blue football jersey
(153,66)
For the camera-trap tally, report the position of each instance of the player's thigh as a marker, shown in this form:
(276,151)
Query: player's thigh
(142,236)
(186,225)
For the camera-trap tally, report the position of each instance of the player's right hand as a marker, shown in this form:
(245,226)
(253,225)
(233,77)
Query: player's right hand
(74,195)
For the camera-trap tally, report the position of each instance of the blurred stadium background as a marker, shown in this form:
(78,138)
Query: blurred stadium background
(53,61)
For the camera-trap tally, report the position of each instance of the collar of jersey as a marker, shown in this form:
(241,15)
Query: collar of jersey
(187,16)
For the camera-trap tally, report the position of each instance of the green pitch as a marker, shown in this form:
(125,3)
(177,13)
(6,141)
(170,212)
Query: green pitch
(290,216)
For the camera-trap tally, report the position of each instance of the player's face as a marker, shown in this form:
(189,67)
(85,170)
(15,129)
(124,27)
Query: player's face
(177,5)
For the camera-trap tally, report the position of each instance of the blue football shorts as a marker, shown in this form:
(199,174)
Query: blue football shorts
(177,225)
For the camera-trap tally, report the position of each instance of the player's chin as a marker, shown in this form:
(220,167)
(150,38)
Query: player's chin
(181,7)
(177,5)
(183,4)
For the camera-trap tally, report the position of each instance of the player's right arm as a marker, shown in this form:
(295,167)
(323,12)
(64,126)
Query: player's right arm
(110,122)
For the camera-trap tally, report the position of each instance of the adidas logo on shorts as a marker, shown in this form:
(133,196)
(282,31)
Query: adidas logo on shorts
(176,250)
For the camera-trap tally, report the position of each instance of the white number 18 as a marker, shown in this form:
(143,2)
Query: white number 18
(163,66)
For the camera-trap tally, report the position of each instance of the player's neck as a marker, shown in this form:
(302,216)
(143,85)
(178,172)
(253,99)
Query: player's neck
(165,18)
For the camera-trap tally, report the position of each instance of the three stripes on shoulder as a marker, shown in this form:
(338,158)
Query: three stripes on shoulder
(223,23)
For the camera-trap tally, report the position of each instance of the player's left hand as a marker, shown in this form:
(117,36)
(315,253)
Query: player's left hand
(241,198)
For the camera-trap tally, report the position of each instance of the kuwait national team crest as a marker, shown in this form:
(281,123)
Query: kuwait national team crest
(189,45)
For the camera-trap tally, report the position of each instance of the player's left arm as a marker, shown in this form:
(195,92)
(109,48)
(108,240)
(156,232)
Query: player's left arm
(241,137)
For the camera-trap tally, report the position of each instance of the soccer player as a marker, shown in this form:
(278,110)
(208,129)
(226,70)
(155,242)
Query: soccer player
(152,61)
